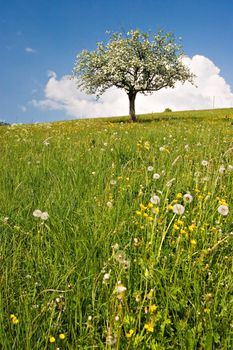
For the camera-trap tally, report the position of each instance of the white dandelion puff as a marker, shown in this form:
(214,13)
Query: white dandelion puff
(204,162)
(178,209)
(222,169)
(155,200)
(187,198)
(223,210)
(156,176)
(120,289)
(37,213)
(44,215)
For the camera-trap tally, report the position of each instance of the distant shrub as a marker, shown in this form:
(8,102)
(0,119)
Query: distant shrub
(167,110)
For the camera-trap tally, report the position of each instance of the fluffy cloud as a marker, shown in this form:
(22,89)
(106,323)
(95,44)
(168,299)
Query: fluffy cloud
(210,90)
(30,50)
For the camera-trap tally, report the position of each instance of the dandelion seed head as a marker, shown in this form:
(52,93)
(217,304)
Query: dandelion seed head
(204,162)
(188,198)
(37,213)
(156,176)
(178,209)
(223,210)
(155,199)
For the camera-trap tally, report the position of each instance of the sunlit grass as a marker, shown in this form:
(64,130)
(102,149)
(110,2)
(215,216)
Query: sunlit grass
(113,267)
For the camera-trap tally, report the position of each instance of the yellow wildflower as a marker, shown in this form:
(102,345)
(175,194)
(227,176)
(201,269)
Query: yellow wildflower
(179,195)
(51,339)
(192,227)
(142,206)
(176,227)
(183,232)
(193,242)
(180,222)
(169,207)
(62,336)
(14,319)
(150,205)
(130,333)
(152,308)
(138,212)
(149,327)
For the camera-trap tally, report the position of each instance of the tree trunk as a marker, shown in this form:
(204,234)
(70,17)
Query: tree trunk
(132,96)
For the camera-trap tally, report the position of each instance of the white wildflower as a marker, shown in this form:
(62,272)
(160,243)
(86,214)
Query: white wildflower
(150,168)
(230,167)
(178,209)
(113,182)
(109,205)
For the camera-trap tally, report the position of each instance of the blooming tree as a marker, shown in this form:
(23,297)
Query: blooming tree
(135,62)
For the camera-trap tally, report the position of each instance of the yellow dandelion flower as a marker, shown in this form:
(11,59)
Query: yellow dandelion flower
(180,222)
(14,319)
(150,218)
(176,227)
(145,215)
(179,195)
(130,333)
(183,232)
(62,336)
(192,227)
(152,308)
(149,327)
(142,206)
(51,339)
(169,207)
(138,213)
(193,242)
(150,205)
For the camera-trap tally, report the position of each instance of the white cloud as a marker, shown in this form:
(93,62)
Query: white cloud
(211,88)
(30,50)
(22,108)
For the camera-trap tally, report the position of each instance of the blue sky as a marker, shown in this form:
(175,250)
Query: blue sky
(40,36)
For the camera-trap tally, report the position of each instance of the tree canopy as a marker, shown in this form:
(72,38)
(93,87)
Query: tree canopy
(135,62)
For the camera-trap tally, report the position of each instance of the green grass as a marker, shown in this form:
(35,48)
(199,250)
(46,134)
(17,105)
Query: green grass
(61,275)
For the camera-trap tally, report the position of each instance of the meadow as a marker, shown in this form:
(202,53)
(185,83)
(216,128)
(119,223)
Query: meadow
(117,235)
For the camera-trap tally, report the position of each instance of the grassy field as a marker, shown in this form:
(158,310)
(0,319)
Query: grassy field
(117,235)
